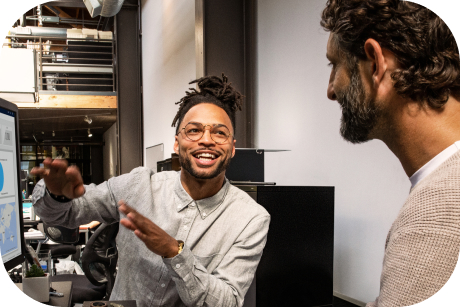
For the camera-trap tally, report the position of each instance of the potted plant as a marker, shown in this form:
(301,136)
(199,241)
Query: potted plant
(36,284)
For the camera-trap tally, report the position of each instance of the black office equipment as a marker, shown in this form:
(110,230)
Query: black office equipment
(11,220)
(296,268)
(247,165)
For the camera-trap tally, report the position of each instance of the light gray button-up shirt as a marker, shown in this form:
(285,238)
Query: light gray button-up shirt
(224,237)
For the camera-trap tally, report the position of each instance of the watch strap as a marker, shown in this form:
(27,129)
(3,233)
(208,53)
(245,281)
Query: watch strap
(59,198)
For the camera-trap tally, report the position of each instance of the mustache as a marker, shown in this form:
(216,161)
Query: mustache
(208,149)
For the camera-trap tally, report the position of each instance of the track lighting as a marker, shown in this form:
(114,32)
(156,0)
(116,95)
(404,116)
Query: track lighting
(87,119)
(89,133)
(54,133)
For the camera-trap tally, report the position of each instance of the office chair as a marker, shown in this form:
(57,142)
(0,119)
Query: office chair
(100,256)
(67,238)
(99,262)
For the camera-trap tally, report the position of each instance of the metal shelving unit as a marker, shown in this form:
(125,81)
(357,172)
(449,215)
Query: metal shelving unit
(72,66)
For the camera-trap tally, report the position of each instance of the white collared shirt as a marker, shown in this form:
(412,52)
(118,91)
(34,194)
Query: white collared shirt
(224,237)
(434,163)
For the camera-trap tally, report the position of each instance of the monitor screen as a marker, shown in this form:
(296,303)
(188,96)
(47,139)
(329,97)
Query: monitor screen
(11,224)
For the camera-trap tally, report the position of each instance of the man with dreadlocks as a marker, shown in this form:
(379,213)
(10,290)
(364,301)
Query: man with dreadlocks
(395,71)
(190,238)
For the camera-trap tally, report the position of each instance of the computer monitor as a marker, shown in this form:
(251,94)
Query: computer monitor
(12,247)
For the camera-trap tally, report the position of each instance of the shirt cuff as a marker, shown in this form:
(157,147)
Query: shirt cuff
(40,191)
(180,265)
(59,198)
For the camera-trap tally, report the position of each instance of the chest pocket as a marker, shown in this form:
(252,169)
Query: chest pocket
(210,262)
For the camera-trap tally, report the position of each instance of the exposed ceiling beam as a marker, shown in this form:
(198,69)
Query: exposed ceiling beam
(92,115)
(67,3)
(60,13)
(52,9)
(73,102)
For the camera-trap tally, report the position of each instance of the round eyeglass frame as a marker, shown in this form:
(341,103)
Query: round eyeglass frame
(204,130)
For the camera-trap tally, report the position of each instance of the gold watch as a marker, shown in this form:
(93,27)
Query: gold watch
(181,247)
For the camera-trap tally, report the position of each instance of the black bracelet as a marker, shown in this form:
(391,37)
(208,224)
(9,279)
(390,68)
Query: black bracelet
(59,198)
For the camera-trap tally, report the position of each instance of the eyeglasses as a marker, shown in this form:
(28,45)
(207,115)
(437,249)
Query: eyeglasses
(195,131)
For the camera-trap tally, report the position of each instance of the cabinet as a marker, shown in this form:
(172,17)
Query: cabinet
(296,268)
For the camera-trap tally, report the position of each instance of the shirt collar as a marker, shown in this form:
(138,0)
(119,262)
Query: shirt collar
(434,163)
(206,206)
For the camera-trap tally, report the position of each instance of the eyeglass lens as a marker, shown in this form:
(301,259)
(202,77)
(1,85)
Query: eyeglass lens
(195,131)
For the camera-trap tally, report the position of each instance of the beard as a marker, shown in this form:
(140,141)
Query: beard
(359,114)
(186,164)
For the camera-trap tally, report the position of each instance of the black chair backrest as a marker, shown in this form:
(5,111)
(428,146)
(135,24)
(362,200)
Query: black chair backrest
(61,234)
(100,256)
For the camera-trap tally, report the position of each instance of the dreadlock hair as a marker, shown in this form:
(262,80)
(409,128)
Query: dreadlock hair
(214,90)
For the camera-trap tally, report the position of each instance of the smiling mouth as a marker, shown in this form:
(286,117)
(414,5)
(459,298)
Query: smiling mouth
(205,156)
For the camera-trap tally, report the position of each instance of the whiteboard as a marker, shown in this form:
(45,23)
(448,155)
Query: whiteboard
(154,154)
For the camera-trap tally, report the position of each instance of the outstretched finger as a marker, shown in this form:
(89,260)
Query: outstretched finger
(39,171)
(127,223)
(140,235)
(140,221)
(74,177)
(125,208)
(47,162)
(57,167)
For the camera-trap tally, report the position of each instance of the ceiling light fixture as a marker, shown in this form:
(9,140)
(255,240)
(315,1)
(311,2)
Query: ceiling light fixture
(87,119)
(54,133)
(89,133)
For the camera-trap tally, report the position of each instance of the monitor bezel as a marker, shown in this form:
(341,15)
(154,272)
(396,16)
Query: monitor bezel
(10,264)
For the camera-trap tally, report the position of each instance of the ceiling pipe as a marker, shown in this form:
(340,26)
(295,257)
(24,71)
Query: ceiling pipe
(105,8)
(111,7)
(40,31)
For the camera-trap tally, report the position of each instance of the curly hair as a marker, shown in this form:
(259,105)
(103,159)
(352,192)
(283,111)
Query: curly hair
(426,50)
(214,90)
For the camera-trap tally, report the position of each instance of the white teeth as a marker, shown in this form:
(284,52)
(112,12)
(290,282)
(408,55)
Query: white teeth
(206,156)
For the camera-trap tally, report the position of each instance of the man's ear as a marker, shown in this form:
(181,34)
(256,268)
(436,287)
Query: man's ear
(176,145)
(234,147)
(377,61)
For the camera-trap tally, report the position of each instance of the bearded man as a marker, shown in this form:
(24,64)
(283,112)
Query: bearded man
(190,238)
(396,75)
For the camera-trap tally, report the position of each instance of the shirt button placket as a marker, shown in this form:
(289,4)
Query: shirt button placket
(161,290)
(188,219)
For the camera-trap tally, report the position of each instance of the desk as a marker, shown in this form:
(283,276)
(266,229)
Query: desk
(87,228)
(35,235)
(84,230)
(64,287)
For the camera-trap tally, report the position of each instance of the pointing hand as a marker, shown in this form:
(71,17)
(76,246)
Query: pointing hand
(60,179)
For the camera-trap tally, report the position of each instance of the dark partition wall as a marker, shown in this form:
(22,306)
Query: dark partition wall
(225,33)
(296,268)
(129,86)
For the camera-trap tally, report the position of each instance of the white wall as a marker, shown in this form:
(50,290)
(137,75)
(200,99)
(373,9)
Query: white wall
(294,113)
(168,58)
(110,151)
